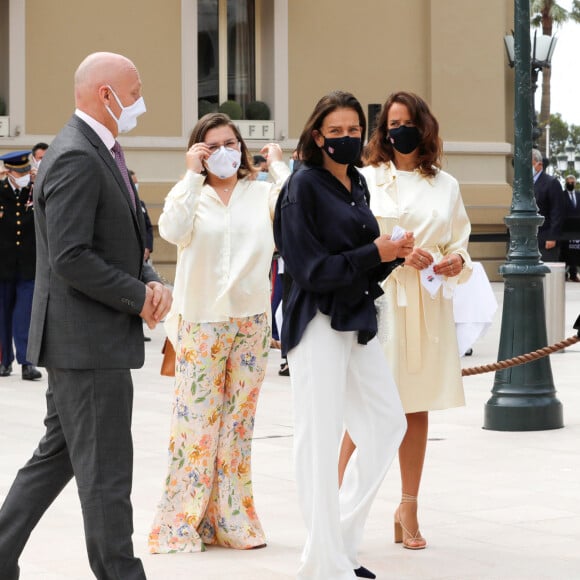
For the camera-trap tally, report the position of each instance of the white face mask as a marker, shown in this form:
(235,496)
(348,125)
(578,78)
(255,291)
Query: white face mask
(128,118)
(224,162)
(21,182)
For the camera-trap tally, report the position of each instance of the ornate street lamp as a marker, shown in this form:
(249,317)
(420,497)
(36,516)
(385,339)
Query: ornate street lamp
(523,397)
(541,56)
(569,160)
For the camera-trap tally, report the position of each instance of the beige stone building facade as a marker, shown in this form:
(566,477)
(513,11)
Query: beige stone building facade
(195,54)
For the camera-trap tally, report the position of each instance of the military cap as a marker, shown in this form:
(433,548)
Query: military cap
(18,161)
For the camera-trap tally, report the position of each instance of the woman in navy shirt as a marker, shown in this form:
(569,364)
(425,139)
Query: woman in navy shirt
(331,247)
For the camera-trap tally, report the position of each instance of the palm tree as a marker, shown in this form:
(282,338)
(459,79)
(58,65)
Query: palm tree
(546,14)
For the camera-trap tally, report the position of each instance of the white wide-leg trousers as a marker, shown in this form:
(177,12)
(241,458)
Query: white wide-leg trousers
(338,383)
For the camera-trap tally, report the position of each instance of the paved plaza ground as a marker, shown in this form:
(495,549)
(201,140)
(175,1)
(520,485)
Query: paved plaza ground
(494,505)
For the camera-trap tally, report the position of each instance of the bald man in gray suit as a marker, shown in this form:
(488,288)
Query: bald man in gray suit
(92,292)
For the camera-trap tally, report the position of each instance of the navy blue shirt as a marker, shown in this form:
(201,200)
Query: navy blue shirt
(325,235)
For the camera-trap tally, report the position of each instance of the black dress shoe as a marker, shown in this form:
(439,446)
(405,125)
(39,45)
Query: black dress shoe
(5,371)
(363,572)
(30,373)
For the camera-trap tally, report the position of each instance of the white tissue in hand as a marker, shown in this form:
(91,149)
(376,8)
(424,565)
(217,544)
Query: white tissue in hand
(430,280)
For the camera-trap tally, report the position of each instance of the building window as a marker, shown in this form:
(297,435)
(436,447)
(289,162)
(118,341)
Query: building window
(226,55)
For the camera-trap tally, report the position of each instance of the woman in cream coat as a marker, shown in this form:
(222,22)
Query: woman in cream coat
(220,218)
(409,189)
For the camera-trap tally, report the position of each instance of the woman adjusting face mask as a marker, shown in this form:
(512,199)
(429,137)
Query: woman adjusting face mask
(225,161)
(220,219)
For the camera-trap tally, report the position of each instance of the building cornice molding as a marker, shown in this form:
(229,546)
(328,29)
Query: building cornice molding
(179,143)
(477,148)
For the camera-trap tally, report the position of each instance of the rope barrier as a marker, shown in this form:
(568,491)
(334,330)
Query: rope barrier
(520,359)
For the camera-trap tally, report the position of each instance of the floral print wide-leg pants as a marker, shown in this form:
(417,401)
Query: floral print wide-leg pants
(208,495)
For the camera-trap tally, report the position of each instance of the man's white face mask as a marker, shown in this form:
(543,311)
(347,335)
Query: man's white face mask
(128,118)
(21,182)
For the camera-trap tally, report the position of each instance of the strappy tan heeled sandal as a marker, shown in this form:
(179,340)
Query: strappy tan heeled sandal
(402,535)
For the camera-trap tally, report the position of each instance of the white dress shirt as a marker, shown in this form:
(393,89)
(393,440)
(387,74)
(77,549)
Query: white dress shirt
(106,136)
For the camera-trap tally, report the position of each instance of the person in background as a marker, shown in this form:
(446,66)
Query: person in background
(551,203)
(275,276)
(409,190)
(262,164)
(277,263)
(148,230)
(295,162)
(220,219)
(285,276)
(276,282)
(332,248)
(148,224)
(571,248)
(38,152)
(17,263)
(92,291)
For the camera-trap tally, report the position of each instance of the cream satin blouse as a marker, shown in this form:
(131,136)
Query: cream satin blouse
(224,252)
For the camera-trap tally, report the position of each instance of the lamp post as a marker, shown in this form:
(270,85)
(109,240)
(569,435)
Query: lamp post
(569,161)
(523,397)
(541,56)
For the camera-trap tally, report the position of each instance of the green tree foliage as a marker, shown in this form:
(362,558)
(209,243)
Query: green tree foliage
(558,133)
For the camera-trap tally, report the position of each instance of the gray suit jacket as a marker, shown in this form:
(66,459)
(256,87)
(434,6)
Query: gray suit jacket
(90,274)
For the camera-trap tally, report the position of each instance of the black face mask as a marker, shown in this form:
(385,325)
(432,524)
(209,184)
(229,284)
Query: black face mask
(570,186)
(404,139)
(343,150)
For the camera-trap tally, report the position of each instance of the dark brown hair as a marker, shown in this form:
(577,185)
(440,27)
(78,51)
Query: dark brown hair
(307,150)
(379,148)
(214,120)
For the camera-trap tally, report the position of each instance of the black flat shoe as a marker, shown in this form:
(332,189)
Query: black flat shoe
(363,572)
(5,371)
(30,373)
(284,370)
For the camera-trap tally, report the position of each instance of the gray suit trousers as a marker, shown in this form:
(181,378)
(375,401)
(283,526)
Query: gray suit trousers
(88,436)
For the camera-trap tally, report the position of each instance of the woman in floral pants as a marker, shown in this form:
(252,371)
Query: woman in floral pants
(221,221)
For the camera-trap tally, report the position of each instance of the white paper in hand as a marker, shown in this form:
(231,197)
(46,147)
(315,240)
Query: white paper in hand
(430,280)
(397,233)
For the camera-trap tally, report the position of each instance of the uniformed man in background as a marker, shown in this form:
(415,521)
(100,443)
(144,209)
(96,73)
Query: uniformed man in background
(17,263)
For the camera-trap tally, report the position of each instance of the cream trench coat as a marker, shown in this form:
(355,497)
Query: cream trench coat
(416,329)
